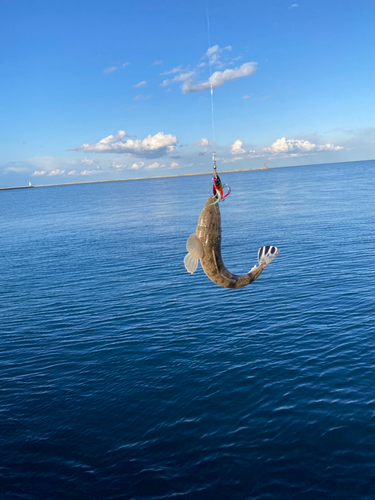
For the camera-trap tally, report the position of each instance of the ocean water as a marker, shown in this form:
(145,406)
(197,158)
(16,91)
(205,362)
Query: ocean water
(121,376)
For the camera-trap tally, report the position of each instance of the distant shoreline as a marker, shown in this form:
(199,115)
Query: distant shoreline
(135,179)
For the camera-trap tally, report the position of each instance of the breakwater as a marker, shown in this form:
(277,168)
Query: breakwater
(16,187)
(137,178)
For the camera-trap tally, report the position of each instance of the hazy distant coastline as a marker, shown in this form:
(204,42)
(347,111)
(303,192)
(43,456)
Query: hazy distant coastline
(135,179)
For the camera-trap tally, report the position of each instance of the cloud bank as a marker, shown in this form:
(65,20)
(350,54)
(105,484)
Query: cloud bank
(152,147)
(295,146)
(51,173)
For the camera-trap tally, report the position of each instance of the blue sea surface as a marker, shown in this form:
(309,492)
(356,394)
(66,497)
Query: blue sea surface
(122,376)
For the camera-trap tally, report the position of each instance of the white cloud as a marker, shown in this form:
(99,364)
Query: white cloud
(288,146)
(125,64)
(213,54)
(178,69)
(212,50)
(88,161)
(248,96)
(51,166)
(113,138)
(253,154)
(291,147)
(182,77)
(190,78)
(157,63)
(151,147)
(117,166)
(204,142)
(236,148)
(231,160)
(137,166)
(174,164)
(91,172)
(294,5)
(218,78)
(72,172)
(50,173)
(154,166)
(109,70)
(329,147)
(143,83)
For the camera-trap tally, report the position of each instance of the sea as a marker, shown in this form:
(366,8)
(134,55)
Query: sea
(124,377)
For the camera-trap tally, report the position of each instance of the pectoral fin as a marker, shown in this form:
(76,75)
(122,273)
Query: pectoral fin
(195,249)
(194,246)
(191,263)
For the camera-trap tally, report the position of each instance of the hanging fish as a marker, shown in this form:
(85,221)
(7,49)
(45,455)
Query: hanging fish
(205,245)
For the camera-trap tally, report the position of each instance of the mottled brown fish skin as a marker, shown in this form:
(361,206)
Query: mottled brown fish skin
(209,234)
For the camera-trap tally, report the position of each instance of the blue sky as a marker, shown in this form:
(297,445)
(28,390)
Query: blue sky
(94,91)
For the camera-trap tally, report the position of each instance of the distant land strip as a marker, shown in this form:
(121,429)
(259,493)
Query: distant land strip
(135,179)
(17,187)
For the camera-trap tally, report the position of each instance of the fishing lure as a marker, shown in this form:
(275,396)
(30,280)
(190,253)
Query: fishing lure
(218,187)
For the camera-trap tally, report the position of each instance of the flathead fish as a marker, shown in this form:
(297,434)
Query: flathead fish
(205,245)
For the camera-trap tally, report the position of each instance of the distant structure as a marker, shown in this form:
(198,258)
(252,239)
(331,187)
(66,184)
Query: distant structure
(16,187)
(265,166)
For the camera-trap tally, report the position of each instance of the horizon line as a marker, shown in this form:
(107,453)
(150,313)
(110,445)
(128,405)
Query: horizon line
(135,178)
(180,175)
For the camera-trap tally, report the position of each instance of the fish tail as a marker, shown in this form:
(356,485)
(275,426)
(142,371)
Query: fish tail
(266,254)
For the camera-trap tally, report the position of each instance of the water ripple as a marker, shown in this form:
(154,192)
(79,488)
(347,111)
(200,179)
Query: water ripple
(124,377)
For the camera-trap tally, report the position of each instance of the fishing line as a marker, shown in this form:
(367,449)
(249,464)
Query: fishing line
(212,90)
(218,187)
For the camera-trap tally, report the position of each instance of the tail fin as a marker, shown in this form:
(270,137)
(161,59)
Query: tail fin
(267,254)
(195,249)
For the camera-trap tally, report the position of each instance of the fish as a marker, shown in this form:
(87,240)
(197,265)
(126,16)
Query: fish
(205,245)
